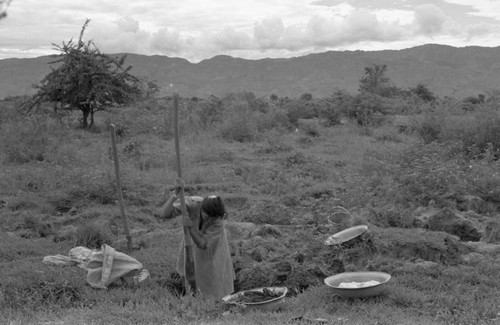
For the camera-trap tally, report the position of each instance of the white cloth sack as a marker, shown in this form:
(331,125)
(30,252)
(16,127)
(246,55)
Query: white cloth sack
(103,266)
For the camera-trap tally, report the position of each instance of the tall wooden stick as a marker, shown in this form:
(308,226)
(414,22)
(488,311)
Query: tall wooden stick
(119,188)
(190,279)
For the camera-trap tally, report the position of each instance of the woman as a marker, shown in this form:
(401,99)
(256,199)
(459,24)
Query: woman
(214,272)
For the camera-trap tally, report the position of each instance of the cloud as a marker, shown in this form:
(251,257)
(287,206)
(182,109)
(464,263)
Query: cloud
(196,29)
(230,39)
(326,3)
(268,32)
(359,25)
(429,19)
(121,35)
(128,25)
(342,9)
(483,8)
(395,16)
(322,31)
(479,30)
(165,41)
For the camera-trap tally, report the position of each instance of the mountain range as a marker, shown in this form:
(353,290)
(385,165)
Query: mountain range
(445,70)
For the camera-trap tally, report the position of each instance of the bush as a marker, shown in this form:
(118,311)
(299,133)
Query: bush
(275,144)
(306,96)
(239,125)
(480,133)
(436,171)
(430,127)
(309,127)
(300,109)
(367,109)
(210,111)
(331,115)
(271,120)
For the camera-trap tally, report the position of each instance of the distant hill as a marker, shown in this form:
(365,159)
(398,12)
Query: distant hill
(446,70)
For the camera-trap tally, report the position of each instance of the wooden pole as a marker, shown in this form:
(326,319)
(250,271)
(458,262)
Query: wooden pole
(119,188)
(190,279)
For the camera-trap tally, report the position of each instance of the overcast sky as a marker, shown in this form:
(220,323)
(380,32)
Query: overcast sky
(252,29)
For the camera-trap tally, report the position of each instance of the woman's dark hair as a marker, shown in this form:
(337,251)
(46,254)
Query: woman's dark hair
(214,206)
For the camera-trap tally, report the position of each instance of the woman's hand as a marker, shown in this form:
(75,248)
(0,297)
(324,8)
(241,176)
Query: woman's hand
(167,210)
(179,186)
(187,222)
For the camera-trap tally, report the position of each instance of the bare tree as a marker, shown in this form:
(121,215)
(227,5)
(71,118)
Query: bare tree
(3,8)
(85,79)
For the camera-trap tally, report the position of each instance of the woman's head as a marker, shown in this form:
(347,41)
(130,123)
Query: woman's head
(213,206)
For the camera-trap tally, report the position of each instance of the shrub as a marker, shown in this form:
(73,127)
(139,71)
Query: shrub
(306,96)
(331,115)
(310,127)
(435,171)
(480,133)
(300,109)
(430,127)
(210,111)
(367,109)
(271,120)
(239,125)
(275,144)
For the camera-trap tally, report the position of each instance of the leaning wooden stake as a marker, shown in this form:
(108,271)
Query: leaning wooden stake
(188,241)
(119,188)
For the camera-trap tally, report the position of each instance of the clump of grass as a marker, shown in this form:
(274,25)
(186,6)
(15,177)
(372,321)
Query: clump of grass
(274,143)
(36,226)
(93,235)
(271,214)
(24,201)
(81,186)
(208,151)
(30,292)
(296,159)
(25,141)
(318,191)
(428,245)
(387,136)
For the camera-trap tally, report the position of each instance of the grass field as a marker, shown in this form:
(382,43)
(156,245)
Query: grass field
(57,190)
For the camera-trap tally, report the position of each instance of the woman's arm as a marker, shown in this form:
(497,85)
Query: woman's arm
(198,238)
(196,235)
(167,210)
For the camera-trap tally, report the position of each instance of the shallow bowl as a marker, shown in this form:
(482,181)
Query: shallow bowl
(374,290)
(268,305)
(346,235)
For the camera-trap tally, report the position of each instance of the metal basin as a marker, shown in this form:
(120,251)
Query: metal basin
(346,235)
(268,305)
(334,282)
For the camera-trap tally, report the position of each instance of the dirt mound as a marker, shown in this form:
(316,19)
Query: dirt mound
(298,258)
(433,246)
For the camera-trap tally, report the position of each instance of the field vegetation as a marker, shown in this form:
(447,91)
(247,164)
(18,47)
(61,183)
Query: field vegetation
(421,171)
